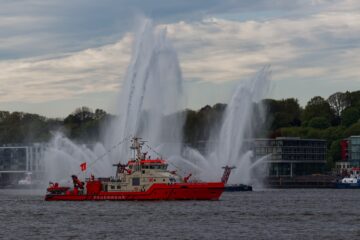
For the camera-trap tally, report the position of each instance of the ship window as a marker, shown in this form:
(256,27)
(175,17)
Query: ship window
(163,179)
(143,171)
(118,187)
(112,187)
(136,181)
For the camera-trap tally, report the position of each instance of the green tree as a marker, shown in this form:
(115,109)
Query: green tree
(283,113)
(191,133)
(280,120)
(19,127)
(333,133)
(319,122)
(317,107)
(4,115)
(295,132)
(84,125)
(338,102)
(352,130)
(100,114)
(353,98)
(313,133)
(199,125)
(334,153)
(350,116)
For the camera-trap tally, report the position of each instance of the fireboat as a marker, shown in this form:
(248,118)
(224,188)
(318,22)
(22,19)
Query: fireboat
(142,178)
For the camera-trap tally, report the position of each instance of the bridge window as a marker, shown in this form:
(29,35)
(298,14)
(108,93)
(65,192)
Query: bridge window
(136,181)
(162,166)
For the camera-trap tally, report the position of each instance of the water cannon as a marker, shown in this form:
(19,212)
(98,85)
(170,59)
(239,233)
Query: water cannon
(226,174)
(77,183)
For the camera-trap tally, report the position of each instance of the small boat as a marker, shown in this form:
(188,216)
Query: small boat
(351,182)
(27,182)
(141,178)
(233,187)
(237,188)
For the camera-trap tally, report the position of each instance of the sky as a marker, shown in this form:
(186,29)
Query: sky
(58,55)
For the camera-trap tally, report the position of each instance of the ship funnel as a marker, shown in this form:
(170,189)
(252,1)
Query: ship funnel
(226,174)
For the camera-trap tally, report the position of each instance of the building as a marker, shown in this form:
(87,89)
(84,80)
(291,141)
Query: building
(16,160)
(354,151)
(342,168)
(350,150)
(344,150)
(292,156)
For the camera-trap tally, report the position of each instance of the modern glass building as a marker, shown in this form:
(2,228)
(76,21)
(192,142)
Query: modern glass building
(292,156)
(15,160)
(353,150)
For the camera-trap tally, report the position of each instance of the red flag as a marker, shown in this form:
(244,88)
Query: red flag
(83,166)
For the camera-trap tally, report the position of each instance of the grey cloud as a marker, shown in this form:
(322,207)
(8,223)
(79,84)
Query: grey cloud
(61,26)
(321,45)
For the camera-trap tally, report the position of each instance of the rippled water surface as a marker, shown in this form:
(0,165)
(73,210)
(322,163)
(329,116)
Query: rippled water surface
(270,214)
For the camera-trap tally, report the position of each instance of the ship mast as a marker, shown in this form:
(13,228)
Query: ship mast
(136,146)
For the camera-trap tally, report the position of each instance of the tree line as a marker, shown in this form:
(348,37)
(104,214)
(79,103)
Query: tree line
(83,125)
(332,119)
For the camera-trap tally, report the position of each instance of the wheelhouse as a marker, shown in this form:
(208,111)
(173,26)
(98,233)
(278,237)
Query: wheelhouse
(157,164)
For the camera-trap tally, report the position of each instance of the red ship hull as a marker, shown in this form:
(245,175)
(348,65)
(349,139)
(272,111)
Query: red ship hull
(176,191)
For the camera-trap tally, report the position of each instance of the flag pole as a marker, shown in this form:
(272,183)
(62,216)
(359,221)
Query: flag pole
(85,172)
(83,168)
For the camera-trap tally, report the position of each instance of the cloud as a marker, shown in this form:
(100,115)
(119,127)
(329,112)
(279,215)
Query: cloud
(221,50)
(45,79)
(58,26)
(321,46)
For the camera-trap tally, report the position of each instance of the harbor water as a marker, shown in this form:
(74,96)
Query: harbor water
(268,214)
